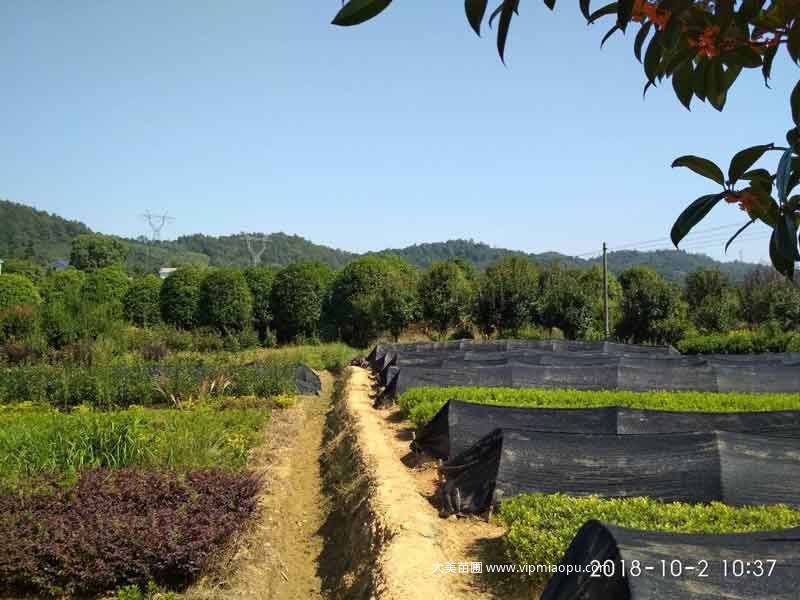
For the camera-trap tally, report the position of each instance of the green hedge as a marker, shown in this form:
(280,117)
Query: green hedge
(740,342)
(39,441)
(421,404)
(64,386)
(541,527)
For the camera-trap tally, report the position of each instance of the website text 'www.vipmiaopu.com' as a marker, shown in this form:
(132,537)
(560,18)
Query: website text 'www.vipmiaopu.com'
(480,568)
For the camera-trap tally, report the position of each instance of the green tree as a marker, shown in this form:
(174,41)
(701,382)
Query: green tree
(92,251)
(27,268)
(652,309)
(17,290)
(180,297)
(566,303)
(357,301)
(446,294)
(396,305)
(702,47)
(712,301)
(58,283)
(297,297)
(225,301)
(507,296)
(141,303)
(260,281)
(106,285)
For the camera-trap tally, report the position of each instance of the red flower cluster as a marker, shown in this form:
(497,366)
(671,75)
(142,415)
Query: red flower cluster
(642,9)
(706,42)
(746,200)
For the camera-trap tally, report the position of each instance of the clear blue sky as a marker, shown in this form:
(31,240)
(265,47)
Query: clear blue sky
(260,116)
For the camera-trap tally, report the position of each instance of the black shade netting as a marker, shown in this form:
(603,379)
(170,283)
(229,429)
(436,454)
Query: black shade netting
(734,468)
(735,566)
(459,425)
(307,381)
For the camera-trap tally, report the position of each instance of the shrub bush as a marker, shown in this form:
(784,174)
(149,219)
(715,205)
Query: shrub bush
(18,323)
(297,297)
(64,386)
(420,404)
(17,290)
(225,301)
(652,310)
(741,342)
(259,281)
(141,303)
(92,251)
(180,296)
(133,527)
(540,528)
(507,296)
(446,296)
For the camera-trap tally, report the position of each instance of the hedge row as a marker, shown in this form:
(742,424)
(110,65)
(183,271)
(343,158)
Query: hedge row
(740,342)
(121,527)
(541,527)
(36,442)
(421,404)
(65,386)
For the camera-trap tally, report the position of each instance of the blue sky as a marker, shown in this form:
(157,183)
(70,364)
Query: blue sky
(261,116)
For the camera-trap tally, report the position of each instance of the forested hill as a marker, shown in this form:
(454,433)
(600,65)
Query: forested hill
(42,237)
(34,234)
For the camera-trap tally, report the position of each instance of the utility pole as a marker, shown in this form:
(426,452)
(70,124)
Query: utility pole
(605,288)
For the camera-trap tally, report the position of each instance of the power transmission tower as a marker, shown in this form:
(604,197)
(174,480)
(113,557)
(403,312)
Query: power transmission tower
(156,223)
(255,254)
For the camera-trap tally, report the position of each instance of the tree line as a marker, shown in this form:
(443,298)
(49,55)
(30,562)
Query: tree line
(383,295)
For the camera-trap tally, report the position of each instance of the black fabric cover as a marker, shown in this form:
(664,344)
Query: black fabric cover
(597,541)
(734,468)
(307,381)
(459,425)
(577,365)
(620,374)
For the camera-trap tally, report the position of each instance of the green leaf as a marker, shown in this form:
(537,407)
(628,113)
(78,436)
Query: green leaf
(743,160)
(766,68)
(551,4)
(793,137)
(609,33)
(508,8)
(640,38)
(624,12)
(693,214)
(782,175)
(584,5)
(743,56)
(735,235)
(793,45)
(682,84)
(783,246)
(358,11)
(652,58)
(716,84)
(701,166)
(608,9)
(475,9)
(796,104)
(699,79)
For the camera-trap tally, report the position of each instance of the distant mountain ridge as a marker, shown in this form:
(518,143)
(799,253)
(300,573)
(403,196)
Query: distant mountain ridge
(26,232)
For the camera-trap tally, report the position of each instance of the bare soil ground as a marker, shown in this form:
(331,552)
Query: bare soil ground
(414,560)
(277,559)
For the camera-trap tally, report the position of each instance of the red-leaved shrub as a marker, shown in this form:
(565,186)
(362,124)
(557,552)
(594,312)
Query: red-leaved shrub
(121,527)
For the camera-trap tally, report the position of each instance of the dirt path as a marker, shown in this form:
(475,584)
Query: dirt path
(412,561)
(277,558)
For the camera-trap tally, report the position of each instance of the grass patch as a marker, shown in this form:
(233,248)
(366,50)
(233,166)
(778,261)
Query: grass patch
(37,441)
(420,404)
(541,527)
